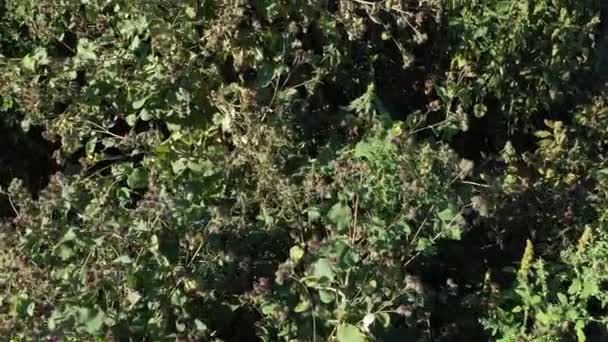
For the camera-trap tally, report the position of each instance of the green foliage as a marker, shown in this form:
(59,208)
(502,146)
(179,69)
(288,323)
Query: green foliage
(550,303)
(354,277)
(514,59)
(556,300)
(232,171)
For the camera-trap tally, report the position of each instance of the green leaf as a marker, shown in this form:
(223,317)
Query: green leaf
(368,320)
(302,306)
(53,320)
(580,332)
(453,233)
(140,103)
(535,299)
(179,165)
(322,268)
(384,319)
(203,167)
(268,309)
(326,296)
(349,333)
(542,318)
(40,57)
(22,306)
(480,110)
(124,259)
(131,119)
(85,50)
(30,309)
(542,134)
(423,243)
(341,215)
(590,288)
(575,287)
(91,319)
(135,43)
(287,95)
(133,296)
(190,12)
(28,63)
(446,215)
(65,252)
(195,167)
(562,299)
(365,149)
(200,326)
(365,103)
(145,115)
(311,281)
(265,75)
(138,179)
(90,147)
(70,235)
(313,214)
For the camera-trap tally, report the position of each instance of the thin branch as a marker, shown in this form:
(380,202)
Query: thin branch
(10,201)
(312,308)
(354,233)
(422,224)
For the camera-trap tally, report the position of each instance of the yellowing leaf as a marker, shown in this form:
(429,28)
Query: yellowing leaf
(296,253)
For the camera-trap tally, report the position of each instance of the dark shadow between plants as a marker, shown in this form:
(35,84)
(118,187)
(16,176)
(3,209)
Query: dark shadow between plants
(27,156)
(455,275)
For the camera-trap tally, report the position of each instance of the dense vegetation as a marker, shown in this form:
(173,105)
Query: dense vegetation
(303,170)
